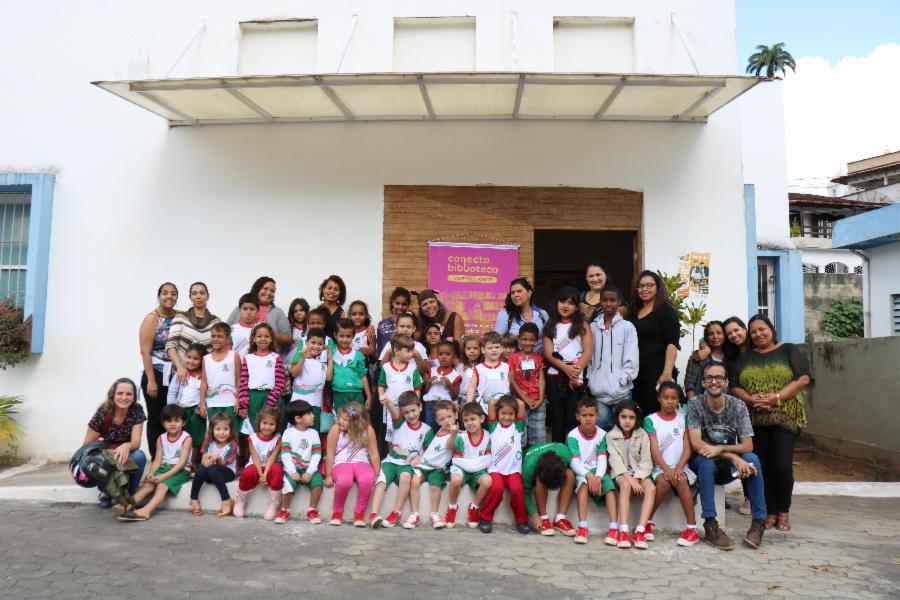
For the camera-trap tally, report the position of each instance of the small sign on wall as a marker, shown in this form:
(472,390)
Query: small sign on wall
(694,272)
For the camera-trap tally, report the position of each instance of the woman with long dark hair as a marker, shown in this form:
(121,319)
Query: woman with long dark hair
(153,335)
(433,311)
(658,330)
(333,295)
(771,377)
(596,274)
(518,310)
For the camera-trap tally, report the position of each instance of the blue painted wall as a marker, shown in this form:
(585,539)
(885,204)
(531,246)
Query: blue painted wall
(789,306)
(869,229)
(41,186)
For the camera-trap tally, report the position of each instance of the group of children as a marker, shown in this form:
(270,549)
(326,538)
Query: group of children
(471,415)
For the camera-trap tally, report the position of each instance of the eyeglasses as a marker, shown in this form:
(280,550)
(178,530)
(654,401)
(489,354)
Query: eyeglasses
(646,286)
(714,379)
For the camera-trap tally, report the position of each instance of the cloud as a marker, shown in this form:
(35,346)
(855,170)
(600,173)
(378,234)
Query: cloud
(835,114)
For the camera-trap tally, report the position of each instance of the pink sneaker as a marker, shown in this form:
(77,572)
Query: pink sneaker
(436,521)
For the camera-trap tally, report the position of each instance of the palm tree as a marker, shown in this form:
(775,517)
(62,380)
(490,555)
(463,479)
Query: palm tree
(771,59)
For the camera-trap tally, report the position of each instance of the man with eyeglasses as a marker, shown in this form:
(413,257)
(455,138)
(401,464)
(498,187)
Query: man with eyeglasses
(722,439)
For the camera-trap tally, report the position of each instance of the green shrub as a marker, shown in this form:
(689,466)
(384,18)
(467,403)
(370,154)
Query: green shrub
(9,429)
(13,343)
(844,319)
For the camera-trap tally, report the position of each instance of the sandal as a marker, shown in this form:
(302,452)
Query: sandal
(783,522)
(196,510)
(119,509)
(227,508)
(130,515)
(770,521)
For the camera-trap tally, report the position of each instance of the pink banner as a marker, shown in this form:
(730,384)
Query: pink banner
(473,279)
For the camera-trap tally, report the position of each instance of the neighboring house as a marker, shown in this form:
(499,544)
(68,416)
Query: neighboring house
(812,218)
(224,140)
(873,179)
(875,236)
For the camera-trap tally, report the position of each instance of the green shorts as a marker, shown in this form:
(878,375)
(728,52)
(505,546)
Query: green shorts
(289,482)
(390,473)
(339,399)
(433,477)
(174,482)
(606,485)
(471,479)
(228,410)
(195,425)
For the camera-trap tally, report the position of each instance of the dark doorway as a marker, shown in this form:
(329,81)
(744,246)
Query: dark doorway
(560,258)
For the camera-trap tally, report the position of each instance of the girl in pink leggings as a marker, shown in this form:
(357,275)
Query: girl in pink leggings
(351,454)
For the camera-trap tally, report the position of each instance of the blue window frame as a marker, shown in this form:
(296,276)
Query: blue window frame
(39,188)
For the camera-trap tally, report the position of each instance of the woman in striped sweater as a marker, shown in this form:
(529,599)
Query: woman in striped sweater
(193,326)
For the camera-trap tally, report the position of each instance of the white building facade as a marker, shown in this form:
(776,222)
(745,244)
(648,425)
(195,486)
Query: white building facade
(120,201)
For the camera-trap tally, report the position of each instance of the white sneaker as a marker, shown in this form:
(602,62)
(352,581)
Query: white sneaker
(411,522)
(436,521)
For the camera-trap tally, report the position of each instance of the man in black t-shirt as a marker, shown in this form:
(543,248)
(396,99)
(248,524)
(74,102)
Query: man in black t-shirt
(722,438)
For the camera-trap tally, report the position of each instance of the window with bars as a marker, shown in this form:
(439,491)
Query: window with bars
(15,218)
(895,314)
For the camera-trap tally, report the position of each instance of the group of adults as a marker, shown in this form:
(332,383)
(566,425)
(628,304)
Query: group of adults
(769,376)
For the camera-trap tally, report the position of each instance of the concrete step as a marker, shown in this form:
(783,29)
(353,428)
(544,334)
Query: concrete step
(53,484)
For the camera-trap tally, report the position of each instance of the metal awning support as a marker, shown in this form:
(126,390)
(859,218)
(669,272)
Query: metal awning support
(434,96)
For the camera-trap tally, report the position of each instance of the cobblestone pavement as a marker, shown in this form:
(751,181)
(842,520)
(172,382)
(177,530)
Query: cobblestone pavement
(840,548)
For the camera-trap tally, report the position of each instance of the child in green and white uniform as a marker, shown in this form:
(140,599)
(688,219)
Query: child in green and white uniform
(398,375)
(438,452)
(471,459)
(587,443)
(350,381)
(220,379)
(311,368)
(406,447)
(301,452)
(187,396)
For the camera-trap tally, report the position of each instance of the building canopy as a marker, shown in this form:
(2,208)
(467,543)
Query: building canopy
(433,96)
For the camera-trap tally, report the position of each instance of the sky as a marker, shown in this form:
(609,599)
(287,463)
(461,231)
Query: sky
(843,104)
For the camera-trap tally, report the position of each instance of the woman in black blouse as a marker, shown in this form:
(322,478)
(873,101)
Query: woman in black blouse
(119,422)
(658,331)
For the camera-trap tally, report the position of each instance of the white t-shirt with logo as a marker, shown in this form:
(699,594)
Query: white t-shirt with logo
(669,435)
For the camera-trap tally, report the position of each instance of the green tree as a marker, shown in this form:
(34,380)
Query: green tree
(770,59)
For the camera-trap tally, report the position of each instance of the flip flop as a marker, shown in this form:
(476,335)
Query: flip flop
(130,515)
(118,510)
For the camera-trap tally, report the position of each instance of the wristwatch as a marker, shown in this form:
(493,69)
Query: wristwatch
(777,398)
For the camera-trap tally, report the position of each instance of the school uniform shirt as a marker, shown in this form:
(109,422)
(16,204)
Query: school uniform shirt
(240,338)
(465,381)
(349,369)
(187,395)
(436,455)
(228,453)
(265,447)
(171,450)
(471,455)
(348,452)
(407,442)
(297,334)
(490,382)
(262,373)
(310,382)
(589,454)
(526,372)
(396,381)
(437,391)
(417,347)
(220,376)
(360,339)
(506,447)
(569,349)
(301,451)
(669,435)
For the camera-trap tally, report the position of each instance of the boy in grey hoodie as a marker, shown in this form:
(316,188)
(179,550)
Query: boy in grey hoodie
(614,363)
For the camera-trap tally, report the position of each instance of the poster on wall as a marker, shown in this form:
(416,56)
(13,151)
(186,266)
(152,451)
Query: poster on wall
(472,279)
(694,272)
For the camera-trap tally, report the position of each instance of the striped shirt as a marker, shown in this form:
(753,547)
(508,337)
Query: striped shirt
(182,334)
